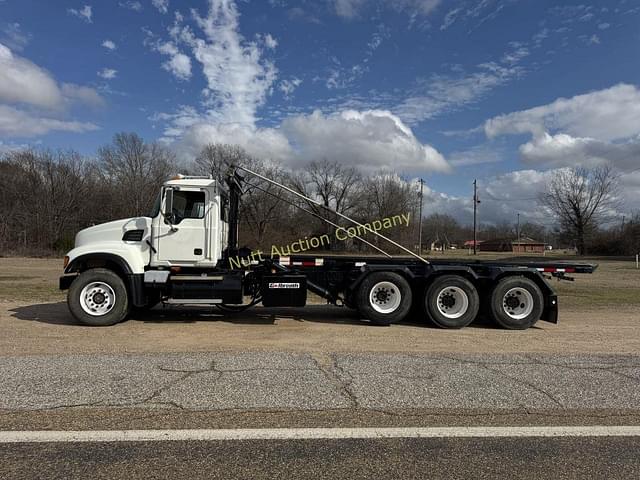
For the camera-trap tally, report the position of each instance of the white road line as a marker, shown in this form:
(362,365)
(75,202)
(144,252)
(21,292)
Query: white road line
(312,433)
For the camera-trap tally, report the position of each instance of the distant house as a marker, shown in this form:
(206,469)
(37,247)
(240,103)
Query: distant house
(524,245)
(469,243)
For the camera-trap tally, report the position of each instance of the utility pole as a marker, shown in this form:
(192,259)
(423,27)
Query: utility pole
(475,214)
(518,229)
(420,220)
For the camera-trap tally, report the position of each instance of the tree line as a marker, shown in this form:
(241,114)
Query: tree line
(47,196)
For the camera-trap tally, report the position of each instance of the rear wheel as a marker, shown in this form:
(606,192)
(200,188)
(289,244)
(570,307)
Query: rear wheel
(452,301)
(98,297)
(517,303)
(384,298)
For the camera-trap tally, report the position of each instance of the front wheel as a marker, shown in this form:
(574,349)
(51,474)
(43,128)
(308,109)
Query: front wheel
(98,297)
(384,298)
(517,303)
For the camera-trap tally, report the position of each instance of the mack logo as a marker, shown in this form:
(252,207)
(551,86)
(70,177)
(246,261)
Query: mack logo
(284,285)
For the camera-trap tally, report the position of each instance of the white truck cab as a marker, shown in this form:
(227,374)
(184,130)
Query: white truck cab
(196,233)
(187,228)
(191,231)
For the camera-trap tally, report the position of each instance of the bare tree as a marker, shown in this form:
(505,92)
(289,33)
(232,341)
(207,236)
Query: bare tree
(214,157)
(579,197)
(135,169)
(387,194)
(333,185)
(262,207)
(441,230)
(42,194)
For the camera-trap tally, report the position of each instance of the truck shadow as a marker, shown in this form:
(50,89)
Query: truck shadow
(58,314)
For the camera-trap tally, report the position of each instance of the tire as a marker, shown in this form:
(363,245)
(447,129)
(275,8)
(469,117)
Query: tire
(384,298)
(98,297)
(452,301)
(517,303)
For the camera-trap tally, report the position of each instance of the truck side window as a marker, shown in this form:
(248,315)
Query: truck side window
(188,205)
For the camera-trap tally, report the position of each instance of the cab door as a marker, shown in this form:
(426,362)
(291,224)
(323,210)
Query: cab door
(183,240)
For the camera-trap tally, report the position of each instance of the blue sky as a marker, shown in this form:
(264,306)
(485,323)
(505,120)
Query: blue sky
(448,90)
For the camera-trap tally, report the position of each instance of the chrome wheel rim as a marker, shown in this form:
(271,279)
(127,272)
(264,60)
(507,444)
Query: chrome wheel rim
(517,303)
(97,299)
(385,297)
(452,302)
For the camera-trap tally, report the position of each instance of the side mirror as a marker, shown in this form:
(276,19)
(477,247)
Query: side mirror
(167,212)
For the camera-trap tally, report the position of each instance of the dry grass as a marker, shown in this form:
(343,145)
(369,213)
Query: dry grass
(30,279)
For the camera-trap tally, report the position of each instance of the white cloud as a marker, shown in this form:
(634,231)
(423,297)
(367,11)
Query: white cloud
(131,5)
(604,26)
(17,123)
(13,37)
(515,56)
(352,8)
(270,42)
(601,127)
(21,81)
(477,155)
(31,99)
(348,8)
(450,18)
(288,86)
(238,78)
(371,139)
(572,13)
(108,73)
(609,114)
(73,93)
(178,64)
(590,40)
(161,5)
(6,147)
(109,45)
(85,13)
(502,197)
(443,93)
(563,149)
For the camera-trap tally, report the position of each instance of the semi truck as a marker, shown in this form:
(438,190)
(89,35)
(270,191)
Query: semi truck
(186,253)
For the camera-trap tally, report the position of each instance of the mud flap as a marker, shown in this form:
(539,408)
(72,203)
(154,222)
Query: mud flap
(550,313)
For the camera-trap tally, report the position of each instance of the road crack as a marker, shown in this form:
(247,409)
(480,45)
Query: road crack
(337,376)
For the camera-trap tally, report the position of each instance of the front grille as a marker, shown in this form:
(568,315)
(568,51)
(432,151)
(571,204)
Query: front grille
(133,236)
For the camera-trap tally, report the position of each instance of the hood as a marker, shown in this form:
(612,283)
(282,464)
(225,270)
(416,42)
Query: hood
(112,231)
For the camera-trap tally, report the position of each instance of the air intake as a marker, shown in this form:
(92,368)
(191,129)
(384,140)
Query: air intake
(133,235)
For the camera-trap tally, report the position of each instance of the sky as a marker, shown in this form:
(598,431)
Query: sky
(505,91)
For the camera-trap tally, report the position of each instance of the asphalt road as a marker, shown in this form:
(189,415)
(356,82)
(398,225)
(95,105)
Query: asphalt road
(293,381)
(287,389)
(608,458)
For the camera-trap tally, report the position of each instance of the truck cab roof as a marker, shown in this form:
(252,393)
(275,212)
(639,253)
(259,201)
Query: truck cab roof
(191,181)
